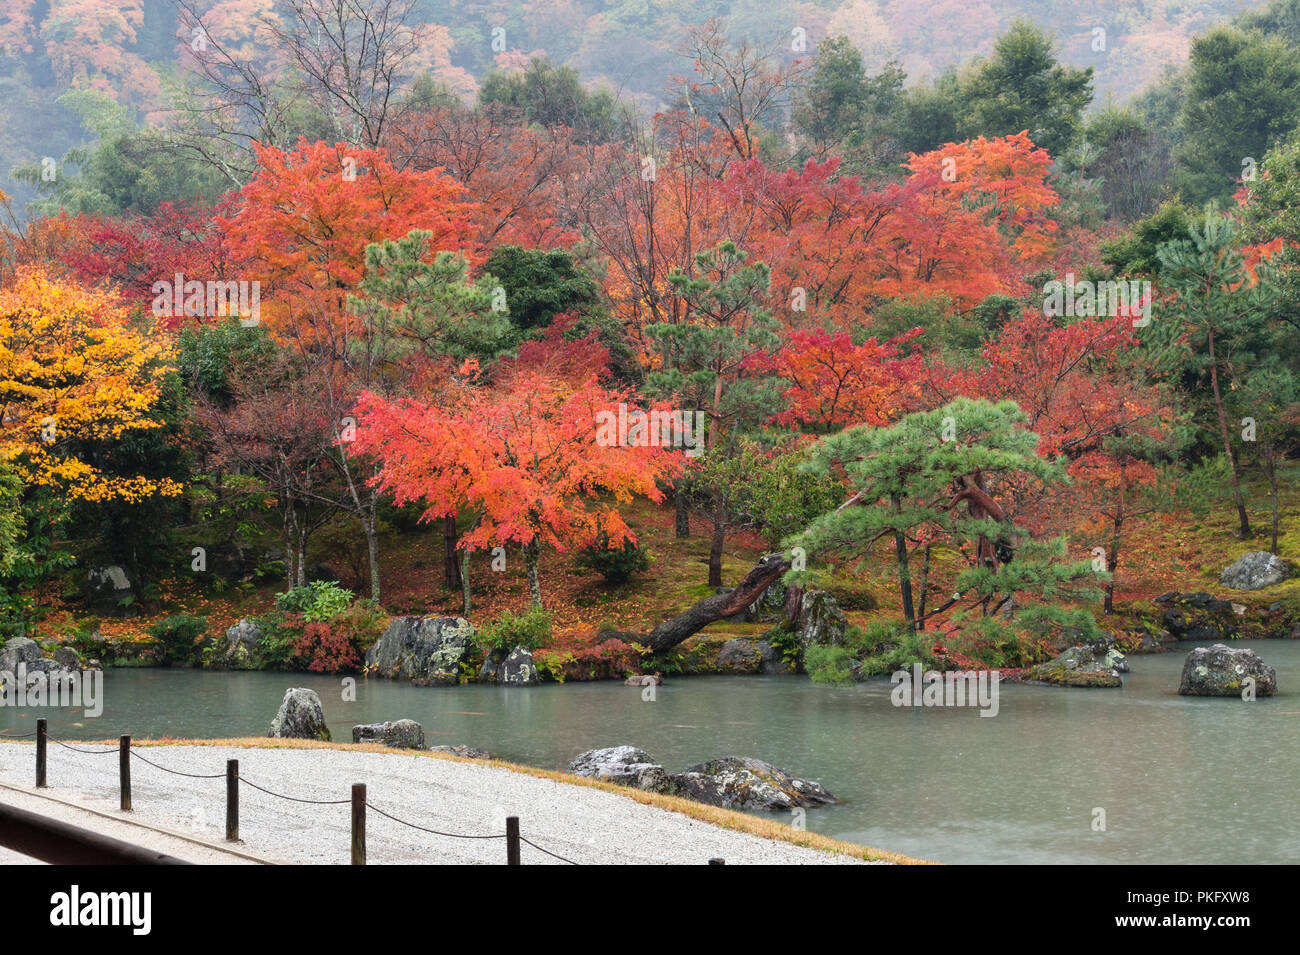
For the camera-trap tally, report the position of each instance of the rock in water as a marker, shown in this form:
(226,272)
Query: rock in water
(1254,571)
(1094,664)
(399,734)
(740,656)
(1219,670)
(625,765)
(517,669)
(741,782)
(68,658)
(1199,616)
(18,650)
(239,646)
(427,650)
(821,621)
(301,716)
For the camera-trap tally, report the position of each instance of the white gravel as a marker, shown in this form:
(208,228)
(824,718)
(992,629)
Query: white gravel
(581,823)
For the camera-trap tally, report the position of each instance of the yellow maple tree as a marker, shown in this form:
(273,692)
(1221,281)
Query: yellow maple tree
(73,368)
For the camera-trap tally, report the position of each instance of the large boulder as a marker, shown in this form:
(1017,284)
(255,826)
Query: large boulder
(18,650)
(740,656)
(741,782)
(239,646)
(773,656)
(1199,616)
(820,621)
(1254,571)
(425,650)
(107,589)
(625,765)
(1220,670)
(399,734)
(1092,664)
(68,658)
(517,669)
(301,716)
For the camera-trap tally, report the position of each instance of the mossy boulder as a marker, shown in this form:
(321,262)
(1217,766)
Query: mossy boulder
(425,650)
(301,716)
(1089,665)
(742,782)
(1220,670)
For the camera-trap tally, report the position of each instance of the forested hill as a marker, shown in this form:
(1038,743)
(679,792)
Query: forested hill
(136,50)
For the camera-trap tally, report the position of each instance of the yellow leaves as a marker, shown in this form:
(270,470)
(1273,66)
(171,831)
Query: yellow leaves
(73,368)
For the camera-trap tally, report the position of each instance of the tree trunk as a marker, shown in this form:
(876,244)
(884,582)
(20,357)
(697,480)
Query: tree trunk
(532,555)
(682,507)
(302,555)
(1271,458)
(450,559)
(1112,564)
(372,555)
(904,575)
(468,602)
(1227,441)
(672,632)
(925,589)
(715,551)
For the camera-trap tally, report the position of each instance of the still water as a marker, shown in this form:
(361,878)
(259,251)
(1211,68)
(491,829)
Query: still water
(1181,780)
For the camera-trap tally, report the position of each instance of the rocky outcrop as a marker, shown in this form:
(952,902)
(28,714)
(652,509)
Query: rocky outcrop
(18,650)
(107,588)
(741,782)
(820,619)
(1198,616)
(238,648)
(740,656)
(464,752)
(425,650)
(1254,571)
(517,669)
(399,734)
(1090,665)
(1220,670)
(301,716)
(625,765)
(67,658)
(644,679)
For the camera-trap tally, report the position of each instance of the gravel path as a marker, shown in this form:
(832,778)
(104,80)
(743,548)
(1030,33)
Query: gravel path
(583,824)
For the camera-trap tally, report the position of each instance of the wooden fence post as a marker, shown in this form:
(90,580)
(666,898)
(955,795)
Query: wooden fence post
(232,800)
(124,768)
(41,733)
(358,823)
(512,840)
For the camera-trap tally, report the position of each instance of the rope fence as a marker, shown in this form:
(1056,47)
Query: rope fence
(358,800)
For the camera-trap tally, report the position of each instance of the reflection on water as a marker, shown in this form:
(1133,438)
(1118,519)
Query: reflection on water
(1182,780)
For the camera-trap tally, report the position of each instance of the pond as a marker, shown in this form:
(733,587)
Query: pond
(1181,780)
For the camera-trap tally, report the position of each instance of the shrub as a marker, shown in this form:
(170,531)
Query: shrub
(279,631)
(317,601)
(529,630)
(176,637)
(828,664)
(617,565)
(326,649)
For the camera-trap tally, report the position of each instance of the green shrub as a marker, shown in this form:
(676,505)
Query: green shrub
(529,630)
(828,664)
(280,630)
(176,638)
(318,601)
(617,565)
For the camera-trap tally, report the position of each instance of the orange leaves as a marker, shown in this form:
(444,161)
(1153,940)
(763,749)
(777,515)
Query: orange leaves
(835,383)
(522,454)
(72,368)
(304,222)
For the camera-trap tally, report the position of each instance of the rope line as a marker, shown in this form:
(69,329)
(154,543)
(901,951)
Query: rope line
(177,772)
(314,802)
(76,749)
(20,736)
(547,851)
(452,835)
